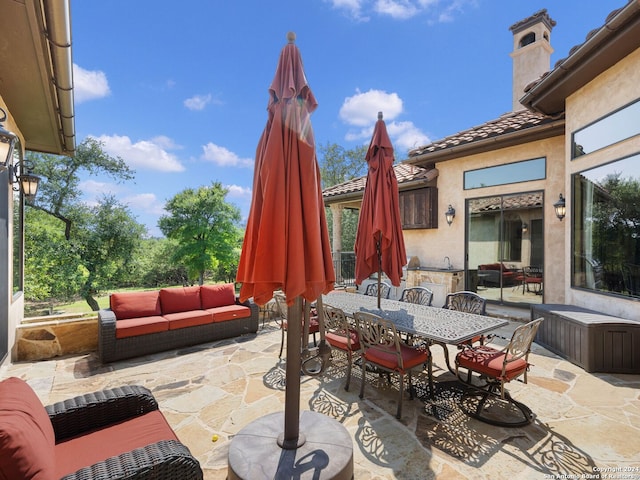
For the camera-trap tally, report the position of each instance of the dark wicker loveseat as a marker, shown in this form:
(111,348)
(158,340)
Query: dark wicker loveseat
(139,323)
(111,434)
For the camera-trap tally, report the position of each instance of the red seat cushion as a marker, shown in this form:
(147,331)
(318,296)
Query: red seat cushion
(135,304)
(26,434)
(217,295)
(180,299)
(132,327)
(93,447)
(229,312)
(340,341)
(488,361)
(314,326)
(191,318)
(411,357)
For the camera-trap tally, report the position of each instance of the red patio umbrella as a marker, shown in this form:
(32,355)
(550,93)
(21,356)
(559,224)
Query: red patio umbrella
(286,244)
(379,243)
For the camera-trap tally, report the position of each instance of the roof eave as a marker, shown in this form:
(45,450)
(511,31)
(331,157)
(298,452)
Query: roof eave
(540,132)
(616,39)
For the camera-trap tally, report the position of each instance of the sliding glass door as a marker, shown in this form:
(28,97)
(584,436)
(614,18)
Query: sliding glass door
(505,247)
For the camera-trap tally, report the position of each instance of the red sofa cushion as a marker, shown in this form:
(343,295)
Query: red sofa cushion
(132,327)
(90,448)
(191,318)
(217,295)
(135,304)
(181,299)
(26,434)
(229,312)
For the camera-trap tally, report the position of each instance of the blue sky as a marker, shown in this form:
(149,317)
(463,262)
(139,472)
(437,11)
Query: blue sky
(179,89)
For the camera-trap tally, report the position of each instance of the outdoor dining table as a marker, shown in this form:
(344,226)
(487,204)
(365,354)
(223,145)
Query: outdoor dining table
(436,325)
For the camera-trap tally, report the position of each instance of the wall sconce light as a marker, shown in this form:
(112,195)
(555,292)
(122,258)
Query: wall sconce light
(450,214)
(27,182)
(525,228)
(560,207)
(7,142)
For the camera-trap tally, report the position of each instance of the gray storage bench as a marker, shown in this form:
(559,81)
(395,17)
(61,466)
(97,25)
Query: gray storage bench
(592,340)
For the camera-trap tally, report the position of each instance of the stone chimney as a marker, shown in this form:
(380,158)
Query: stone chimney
(531,52)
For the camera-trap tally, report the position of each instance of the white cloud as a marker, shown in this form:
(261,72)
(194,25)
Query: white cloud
(362,109)
(396,9)
(361,112)
(145,202)
(237,191)
(224,157)
(405,136)
(95,188)
(360,10)
(198,102)
(89,85)
(147,154)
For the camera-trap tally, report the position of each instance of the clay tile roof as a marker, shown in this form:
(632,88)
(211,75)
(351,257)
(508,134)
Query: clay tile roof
(404,173)
(507,123)
(517,202)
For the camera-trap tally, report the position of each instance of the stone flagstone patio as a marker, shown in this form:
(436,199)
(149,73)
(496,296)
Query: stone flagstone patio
(586,423)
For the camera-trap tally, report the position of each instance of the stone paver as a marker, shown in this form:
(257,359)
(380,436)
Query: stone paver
(584,421)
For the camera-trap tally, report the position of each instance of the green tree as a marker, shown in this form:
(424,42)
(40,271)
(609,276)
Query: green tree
(338,165)
(100,240)
(59,192)
(105,239)
(205,228)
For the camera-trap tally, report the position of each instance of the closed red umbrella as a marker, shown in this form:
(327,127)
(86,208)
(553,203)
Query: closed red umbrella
(379,243)
(286,244)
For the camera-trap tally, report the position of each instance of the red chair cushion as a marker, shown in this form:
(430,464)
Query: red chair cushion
(314,326)
(340,341)
(488,361)
(135,304)
(229,312)
(132,327)
(26,434)
(180,299)
(217,295)
(411,357)
(98,445)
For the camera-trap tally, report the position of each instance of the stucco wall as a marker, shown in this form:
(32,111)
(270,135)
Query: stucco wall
(611,90)
(431,246)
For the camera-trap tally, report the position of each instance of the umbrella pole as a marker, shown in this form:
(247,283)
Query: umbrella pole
(292,438)
(379,251)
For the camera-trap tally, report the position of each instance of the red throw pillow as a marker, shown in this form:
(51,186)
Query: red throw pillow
(26,435)
(217,295)
(135,304)
(184,299)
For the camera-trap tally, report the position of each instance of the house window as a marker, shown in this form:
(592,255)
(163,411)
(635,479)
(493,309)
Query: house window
(419,208)
(613,128)
(606,228)
(524,171)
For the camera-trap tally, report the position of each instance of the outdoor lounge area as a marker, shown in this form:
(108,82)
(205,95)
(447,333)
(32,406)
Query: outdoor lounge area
(585,422)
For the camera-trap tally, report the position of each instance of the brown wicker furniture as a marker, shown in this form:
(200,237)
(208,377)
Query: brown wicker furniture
(112,434)
(139,323)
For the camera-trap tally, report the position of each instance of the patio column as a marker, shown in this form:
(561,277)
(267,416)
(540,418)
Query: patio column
(336,241)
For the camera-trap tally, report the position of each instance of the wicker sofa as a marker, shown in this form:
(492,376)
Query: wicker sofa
(489,275)
(111,434)
(139,323)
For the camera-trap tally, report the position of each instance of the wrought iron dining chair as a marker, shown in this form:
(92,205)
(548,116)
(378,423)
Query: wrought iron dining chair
(419,295)
(465,301)
(372,290)
(340,334)
(490,402)
(281,305)
(382,348)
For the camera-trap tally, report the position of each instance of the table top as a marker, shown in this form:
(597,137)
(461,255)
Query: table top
(433,323)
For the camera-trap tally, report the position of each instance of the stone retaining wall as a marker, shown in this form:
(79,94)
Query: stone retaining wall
(47,337)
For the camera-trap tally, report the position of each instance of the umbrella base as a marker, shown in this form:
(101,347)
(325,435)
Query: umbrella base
(327,453)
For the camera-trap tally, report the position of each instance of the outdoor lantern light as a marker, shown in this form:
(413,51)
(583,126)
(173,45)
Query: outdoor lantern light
(7,142)
(561,208)
(525,227)
(450,214)
(27,182)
